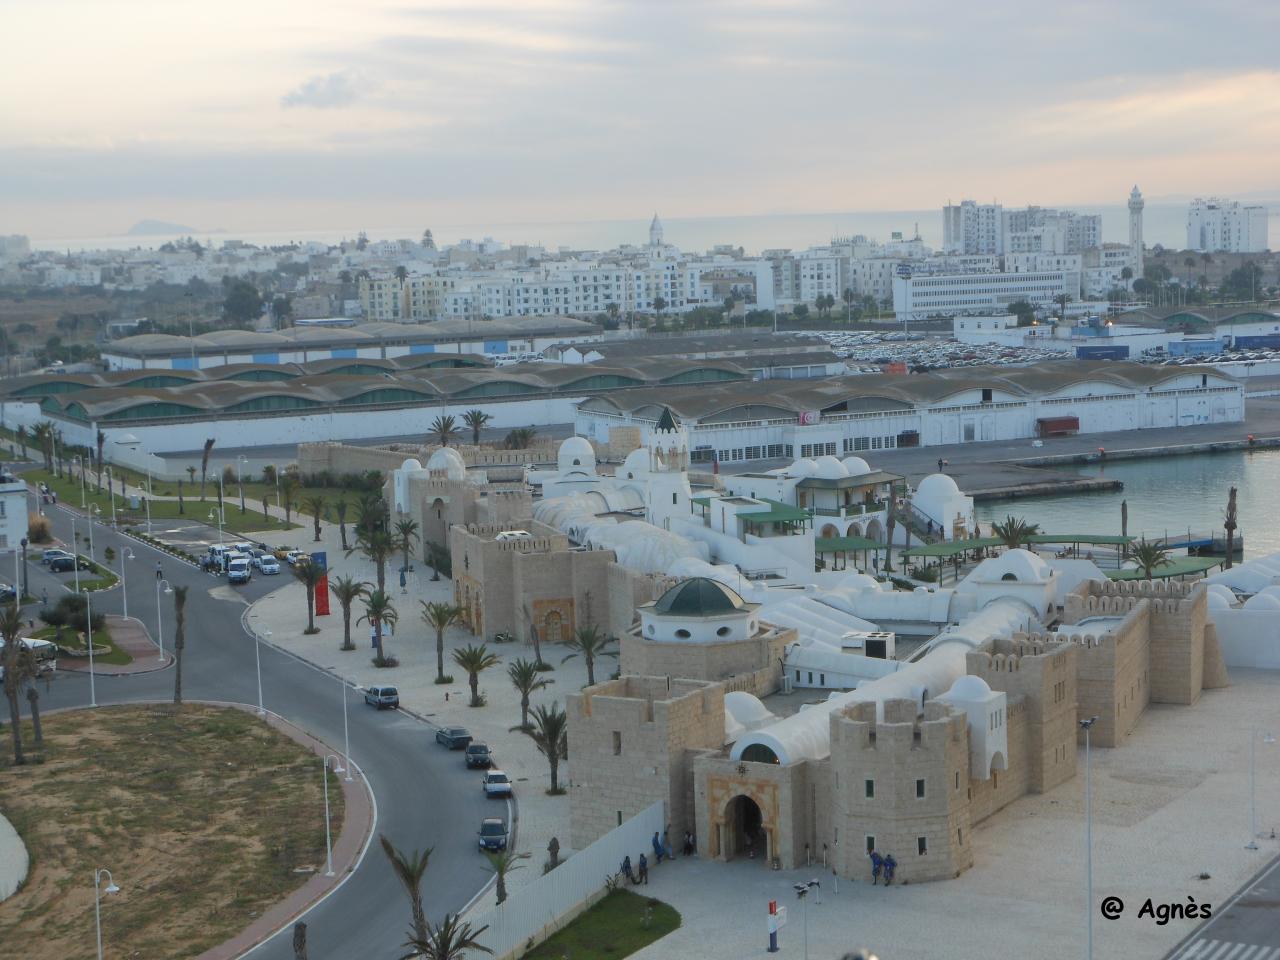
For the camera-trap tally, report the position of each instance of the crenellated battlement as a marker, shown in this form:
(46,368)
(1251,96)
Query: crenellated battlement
(901,730)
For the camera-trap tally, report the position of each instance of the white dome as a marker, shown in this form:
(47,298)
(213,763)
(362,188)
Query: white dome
(1020,565)
(858,581)
(1224,592)
(1217,601)
(856,466)
(1262,601)
(969,687)
(829,468)
(576,455)
(1273,590)
(746,708)
(803,468)
(413,463)
(636,465)
(937,486)
(448,460)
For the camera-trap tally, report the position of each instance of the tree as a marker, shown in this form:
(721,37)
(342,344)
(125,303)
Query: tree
(439,617)
(502,863)
(1062,300)
(379,611)
(659,304)
(848,296)
(340,507)
(550,734)
(444,428)
(589,643)
(282,309)
(409,870)
(309,575)
(520,438)
(314,505)
(11,627)
(402,273)
(406,536)
(1229,524)
(42,436)
(191,474)
(179,639)
(1126,273)
(1024,311)
(102,442)
(475,660)
(288,495)
(451,939)
(204,463)
(21,433)
(377,547)
(438,556)
(526,679)
(800,311)
(347,590)
(1149,557)
(1013,531)
(476,420)
(269,475)
(242,302)
(612,309)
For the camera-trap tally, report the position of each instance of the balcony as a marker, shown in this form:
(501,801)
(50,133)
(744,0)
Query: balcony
(851,510)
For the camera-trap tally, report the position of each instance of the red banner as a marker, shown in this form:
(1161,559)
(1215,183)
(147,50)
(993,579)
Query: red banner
(322,597)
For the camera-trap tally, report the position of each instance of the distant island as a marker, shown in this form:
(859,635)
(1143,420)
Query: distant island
(148,228)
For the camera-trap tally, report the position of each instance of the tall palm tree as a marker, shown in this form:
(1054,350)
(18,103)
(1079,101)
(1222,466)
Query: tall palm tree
(406,536)
(1013,531)
(451,939)
(589,643)
(476,420)
(33,701)
(526,678)
(409,870)
(379,612)
(550,734)
(340,507)
(179,639)
(11,627)
(521,438)
(1229,523)
(437,556)
(309,575)
(288,495)
(102,442)
(204,463)
(1149,557)
(21,434)
(444,428)
(1062,300)
(41,433)
(314,505)
(377,547)
(348,590)
(474,660)
(502,863)
(439,617)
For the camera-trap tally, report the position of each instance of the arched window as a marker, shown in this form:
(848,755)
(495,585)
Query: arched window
(1010,576)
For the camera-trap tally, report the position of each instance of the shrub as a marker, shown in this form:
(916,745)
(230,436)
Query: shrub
(386,662)
(69,611)
(38,529)
(447,678)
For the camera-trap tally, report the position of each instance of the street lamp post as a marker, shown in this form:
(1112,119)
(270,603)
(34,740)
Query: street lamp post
(80,461)
(159,624)
(111,489)
(125,554)
(346,735)
(26,583)
(218,514)
(98,891)
(241,459)
(1088,836)
(802,892)
(1267,738)
(328,840)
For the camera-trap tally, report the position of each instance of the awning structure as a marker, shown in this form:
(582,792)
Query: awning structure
(1176,567)
(1094,538)
(845,544)
(952,548)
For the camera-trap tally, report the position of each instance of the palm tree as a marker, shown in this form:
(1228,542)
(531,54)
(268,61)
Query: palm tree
(21,434)
(402,273)
(288,493)
(474,659)
(378,610)
(444,428)
(348,590)
(1229,524)
(191,473)
(179,639)
(409,870)
(340,507)
(521,438)
(405,537)
(1013,531)
(11,627)
(502,863)
(102,442)
(1062,300)
(437,556)
(1150,556)
(377,547)
(439,617)
(204,463)
(589,643)
(371,513)
(451,939)
(526,679)
(550,734)
(33,701)
(42,436)
(476,420)
(309,575)
(315,506)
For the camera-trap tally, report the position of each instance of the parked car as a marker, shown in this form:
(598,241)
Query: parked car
(381,697)
(255,558)
(294,557)
(493,834)
(53,554)
(269,565)
(239,571)
(455,738)
(7,593)
(497,784)
(478,755)
(68,564)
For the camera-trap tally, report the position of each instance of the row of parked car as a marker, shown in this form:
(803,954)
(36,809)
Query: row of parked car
(239,560)
(61,561)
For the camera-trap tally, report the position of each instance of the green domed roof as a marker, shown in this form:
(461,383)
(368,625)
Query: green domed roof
(699,597)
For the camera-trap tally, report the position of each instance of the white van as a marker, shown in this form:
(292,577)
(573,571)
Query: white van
(45,653)
(239,570)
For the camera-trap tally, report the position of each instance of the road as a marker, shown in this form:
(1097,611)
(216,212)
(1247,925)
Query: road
(1247,927)
(424,796)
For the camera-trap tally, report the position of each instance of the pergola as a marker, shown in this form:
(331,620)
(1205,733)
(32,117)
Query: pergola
(1176,567)
(838,548)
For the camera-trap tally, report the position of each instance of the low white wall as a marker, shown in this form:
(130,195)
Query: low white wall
(14,860)
(536,910)
(1249,638)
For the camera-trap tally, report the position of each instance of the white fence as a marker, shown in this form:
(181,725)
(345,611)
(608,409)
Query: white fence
(536,910)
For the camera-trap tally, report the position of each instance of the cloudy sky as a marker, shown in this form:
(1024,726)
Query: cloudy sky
(283,114)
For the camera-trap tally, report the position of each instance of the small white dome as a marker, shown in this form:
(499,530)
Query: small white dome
(803,468)
(859,581)
(1020,565)
(1217,601)
(576,455)
(1262,601)
(746,708)
(1273,590)
(856,466)
(829,468)
(1224,592)
(969,687)
(937,486)
(413,463)
(449,461)
(636,465)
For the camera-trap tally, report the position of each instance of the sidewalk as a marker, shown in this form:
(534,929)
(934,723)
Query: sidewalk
(132,637)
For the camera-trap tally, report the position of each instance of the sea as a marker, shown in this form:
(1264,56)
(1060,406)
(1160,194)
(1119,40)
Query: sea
(1163,223)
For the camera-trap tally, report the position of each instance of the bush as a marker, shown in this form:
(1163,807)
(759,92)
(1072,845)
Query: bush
(38,529)
(69,611)
(386,662)
(447,678)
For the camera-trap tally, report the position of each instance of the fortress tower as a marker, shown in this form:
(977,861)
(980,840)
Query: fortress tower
(1136,204)
(667,493)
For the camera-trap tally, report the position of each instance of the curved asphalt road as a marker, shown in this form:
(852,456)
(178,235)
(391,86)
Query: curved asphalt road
(425,797)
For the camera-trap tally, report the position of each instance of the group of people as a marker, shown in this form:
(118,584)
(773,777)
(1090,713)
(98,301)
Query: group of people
(885,864)
(639,873)
(48,494)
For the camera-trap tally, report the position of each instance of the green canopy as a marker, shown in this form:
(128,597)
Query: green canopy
(1101,538)
(778,512)
(1176,567)
(845,544)
(952,548)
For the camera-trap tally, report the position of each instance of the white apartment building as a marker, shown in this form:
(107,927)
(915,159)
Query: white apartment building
(969,227)
(1226,226)
(13,512)
(14,247)
(946,295)
(1038,230)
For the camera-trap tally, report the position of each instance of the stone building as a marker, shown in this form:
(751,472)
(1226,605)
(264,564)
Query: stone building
(445,493)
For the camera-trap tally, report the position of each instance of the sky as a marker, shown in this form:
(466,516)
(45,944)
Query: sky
(272,114)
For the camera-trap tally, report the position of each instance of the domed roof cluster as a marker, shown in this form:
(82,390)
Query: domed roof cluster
(1020,565)
(699,597)
(829,468)
(576,455)
(449,461)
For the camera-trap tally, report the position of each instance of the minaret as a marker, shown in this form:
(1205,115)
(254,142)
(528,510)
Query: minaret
(655,232)
(1135,230)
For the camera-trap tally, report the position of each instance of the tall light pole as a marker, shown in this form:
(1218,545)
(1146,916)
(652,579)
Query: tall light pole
(1267,738)
(80,460)
(257,659)
(125,554)
(218,514)
(111,489)
(328,840)
(240,460)
(98,891)
(802,892)
(159,624)
(1088,836)
(346,735)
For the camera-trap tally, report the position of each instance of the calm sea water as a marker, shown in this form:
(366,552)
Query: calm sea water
(1163,223)
(1165,495)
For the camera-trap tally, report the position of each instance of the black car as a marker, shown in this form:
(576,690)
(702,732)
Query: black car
(478,755)
(68,564)
(455,738)
(493,834)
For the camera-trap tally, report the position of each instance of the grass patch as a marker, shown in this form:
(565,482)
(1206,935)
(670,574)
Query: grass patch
(101,638)
(619,925)
(203,815)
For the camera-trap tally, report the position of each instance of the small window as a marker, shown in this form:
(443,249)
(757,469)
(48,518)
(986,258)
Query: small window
(822,679)
(959,836)
(619,818)
(577,463)
(673,497)
(870,787)
(922,846)
(986,394)
(683,634)
(919,789)
(871,843)
(797,676)
(722,632)
(810,676)
(957,779)
(617,743)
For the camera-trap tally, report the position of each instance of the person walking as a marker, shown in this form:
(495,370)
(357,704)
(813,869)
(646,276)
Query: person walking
(657,848)
(688,844)
(890,865)
(877,862)
(644,869)
(666,844)
(159,571)
(626,869)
